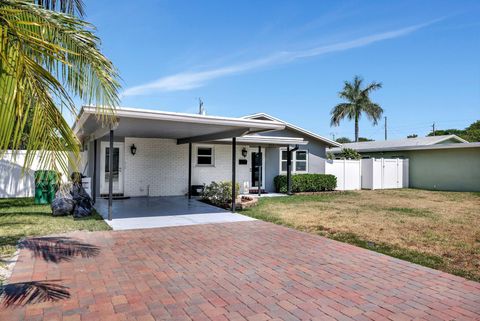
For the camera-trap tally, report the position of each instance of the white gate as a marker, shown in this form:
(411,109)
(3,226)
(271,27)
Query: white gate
(384,173)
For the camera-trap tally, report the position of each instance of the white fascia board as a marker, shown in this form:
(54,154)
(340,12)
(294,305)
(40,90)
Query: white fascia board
(296,128)
(271,140)
(190,118)
(407,148)
(449,137)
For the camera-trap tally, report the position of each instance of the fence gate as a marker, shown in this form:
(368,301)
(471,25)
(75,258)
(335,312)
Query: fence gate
(384,173)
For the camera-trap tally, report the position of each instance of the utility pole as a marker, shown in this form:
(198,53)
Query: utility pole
(385,127)
(433,128)
(333,136)
(201,109)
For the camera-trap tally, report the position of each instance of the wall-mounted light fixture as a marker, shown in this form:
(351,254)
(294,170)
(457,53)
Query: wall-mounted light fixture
(133,149)
(244,152)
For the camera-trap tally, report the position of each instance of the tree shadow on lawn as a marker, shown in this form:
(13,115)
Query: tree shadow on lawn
(17,202)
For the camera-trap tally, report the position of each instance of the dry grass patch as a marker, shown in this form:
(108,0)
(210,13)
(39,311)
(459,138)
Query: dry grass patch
(437,229)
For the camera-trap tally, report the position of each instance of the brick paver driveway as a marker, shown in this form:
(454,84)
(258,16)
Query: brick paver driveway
(238,271)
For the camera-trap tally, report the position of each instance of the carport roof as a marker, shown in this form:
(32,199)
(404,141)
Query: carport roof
(132,122)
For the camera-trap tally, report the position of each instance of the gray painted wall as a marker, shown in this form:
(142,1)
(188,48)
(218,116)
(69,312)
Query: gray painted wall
(441,169)
(316,152)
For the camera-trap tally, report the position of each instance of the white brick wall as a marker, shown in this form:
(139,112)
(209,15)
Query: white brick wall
(222,170)
(160,166)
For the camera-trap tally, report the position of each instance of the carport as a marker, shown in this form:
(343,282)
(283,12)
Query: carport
(163,211)
(184,128)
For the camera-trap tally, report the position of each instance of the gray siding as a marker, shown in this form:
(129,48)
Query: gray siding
(316,152)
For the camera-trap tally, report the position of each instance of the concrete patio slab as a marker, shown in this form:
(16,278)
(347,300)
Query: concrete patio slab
(239,271)
(167,211)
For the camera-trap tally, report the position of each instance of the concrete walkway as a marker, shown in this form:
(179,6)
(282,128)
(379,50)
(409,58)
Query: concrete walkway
(168,211)
(237,271)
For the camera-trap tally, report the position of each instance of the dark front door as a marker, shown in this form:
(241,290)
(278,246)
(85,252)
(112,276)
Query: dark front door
(256,168)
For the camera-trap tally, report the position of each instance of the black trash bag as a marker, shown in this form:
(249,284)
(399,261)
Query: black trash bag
(62,206)
(83,201)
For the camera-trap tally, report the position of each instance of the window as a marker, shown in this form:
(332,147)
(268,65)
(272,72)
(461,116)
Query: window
(205,156)
(283,161)
(299,161)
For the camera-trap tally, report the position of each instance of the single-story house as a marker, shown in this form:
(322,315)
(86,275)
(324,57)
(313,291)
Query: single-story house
(157,153)
(445,162)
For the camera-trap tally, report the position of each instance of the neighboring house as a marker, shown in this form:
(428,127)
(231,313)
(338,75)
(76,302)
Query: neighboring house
(151,151)
(445,162)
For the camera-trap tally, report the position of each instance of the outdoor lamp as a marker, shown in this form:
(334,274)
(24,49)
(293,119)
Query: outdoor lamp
(133,149)
(244,152)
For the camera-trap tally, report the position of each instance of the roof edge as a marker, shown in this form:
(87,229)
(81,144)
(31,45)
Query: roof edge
(294,127)
(407,148)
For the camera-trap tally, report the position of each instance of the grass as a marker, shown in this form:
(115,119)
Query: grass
(440,230)
(20,218)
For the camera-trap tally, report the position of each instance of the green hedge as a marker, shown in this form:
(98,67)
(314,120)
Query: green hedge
(306,183)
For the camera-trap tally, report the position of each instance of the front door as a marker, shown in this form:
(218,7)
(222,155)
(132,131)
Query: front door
(116,172)
(257,173)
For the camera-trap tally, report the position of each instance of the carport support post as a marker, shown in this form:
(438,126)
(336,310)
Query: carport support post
(289,174)
(189,170)
(93,183)
(260,171)
(110,176)
(234,162)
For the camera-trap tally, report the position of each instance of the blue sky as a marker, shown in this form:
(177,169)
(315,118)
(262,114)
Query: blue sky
(290,58)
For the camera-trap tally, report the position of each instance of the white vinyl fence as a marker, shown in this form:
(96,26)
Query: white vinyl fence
(383,173)
(17,183)
(347,171)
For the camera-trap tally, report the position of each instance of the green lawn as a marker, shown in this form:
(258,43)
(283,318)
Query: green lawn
(20,217)
(440,230)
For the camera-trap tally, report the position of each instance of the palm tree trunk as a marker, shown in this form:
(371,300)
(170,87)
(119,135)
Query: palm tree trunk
(356,128)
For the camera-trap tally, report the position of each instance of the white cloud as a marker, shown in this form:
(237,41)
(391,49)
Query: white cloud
(190,80)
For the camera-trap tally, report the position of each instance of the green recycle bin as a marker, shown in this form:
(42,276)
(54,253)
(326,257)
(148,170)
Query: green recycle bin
(46,185)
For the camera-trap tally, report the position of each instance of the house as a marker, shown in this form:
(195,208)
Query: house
(158,153)
(445,162)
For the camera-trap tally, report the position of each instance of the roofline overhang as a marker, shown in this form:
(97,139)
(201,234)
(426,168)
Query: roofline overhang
(267,140)
(253,125)
(295,128)
(408,148)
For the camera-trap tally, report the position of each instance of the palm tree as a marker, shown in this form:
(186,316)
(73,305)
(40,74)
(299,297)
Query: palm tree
(358,102)
(49,56)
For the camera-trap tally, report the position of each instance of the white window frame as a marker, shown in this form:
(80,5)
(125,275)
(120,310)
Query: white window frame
(294,161)
(212,156)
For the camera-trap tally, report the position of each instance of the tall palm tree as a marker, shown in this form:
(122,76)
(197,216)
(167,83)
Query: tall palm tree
(358,102)
(49,56)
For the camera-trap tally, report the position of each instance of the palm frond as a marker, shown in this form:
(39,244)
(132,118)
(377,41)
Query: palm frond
(46,57)
(341,111)
(72,7)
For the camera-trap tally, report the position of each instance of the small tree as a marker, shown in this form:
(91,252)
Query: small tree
(343,140)
(365,139)
(350,153)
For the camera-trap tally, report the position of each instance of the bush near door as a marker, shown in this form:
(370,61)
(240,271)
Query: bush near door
(306,183)
(220,194)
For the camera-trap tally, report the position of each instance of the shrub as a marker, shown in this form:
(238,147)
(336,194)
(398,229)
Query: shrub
(350,153)
(306,183)
(220,194)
